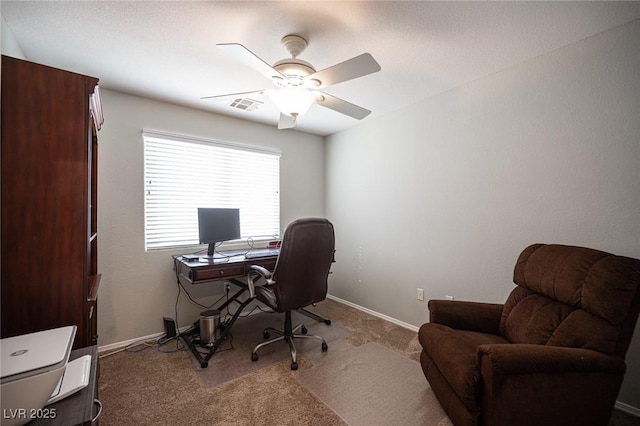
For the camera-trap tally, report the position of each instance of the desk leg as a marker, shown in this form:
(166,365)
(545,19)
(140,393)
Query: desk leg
(231,300)
(204,359)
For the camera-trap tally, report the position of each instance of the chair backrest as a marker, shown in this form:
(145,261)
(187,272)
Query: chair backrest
(303,266)
(573,297)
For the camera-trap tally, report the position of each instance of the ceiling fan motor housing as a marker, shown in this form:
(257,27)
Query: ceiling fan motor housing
(294,69)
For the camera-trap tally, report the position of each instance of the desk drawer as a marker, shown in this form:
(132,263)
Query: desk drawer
(235,267)
(217,273)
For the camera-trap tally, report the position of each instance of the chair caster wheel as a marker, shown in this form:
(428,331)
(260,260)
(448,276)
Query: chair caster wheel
(325,347)
(294,366)
(328,322)
(254,356)
(304,330)
(266,334)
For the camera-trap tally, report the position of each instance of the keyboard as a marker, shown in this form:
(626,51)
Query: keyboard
(263,252)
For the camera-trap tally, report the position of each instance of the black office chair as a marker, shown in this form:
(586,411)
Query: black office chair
(298,279)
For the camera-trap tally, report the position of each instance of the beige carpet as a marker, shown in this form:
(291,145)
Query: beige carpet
(372,385)
(230,364)
(154,388)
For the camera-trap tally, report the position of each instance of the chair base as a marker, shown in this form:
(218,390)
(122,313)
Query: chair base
(314,316)
(288,335)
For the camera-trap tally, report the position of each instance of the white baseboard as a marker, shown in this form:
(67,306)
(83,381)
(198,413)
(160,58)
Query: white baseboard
(119,345)
(124,344)
(629,409)
(374,313)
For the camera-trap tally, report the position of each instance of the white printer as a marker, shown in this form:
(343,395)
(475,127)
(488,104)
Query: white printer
(32,368)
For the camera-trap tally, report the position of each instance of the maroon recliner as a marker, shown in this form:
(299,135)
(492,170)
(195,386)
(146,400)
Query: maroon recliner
(553,354)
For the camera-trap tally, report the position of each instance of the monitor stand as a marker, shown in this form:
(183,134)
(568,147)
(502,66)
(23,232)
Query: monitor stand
(211,250)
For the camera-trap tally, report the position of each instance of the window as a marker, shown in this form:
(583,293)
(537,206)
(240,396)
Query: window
(183,173)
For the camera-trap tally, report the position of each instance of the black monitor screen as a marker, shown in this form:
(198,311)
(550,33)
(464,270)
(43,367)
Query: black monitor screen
(216,225)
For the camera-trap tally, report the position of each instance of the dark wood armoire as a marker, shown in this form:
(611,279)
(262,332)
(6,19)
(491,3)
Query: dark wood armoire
(50,120)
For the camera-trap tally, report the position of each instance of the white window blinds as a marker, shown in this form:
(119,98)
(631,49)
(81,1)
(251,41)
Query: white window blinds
(183,173)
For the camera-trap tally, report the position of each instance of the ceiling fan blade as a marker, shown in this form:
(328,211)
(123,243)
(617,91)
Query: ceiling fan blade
(286,122)
(236,95)
(348,70)
(343,107)
(250,59)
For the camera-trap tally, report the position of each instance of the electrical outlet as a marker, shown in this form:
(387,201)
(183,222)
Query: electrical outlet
(420,294)
(449,297)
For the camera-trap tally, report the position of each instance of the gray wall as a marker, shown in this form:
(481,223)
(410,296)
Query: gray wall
(445,194)
(8,43)
(138,288)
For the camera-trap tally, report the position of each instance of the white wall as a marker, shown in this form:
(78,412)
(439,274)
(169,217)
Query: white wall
(8,44)
(138,288)
(446,194)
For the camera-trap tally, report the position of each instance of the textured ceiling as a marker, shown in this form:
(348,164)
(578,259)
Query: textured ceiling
(166,50)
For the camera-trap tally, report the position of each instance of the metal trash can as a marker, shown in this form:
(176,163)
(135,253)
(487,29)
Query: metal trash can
(209,326)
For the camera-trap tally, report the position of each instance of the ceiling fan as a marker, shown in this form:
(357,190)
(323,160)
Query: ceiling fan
(298,83)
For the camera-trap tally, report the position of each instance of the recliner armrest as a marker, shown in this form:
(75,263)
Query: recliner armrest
(513,358)
(461,315)
(527,384)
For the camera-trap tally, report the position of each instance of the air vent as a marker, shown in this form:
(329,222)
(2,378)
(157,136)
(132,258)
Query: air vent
(245,104)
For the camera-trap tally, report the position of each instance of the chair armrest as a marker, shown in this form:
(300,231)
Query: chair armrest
(505,359)
(257,271)
(461,315)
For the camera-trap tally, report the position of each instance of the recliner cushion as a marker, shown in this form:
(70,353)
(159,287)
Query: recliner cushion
(569,296)
(454,353)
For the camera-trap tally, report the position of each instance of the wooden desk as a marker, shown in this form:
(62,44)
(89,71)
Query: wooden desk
(230,266)
(233,267)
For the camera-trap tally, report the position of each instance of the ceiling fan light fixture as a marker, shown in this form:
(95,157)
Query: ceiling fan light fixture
(292,101)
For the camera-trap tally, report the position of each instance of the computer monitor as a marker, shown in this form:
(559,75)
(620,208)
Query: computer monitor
(216,225)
